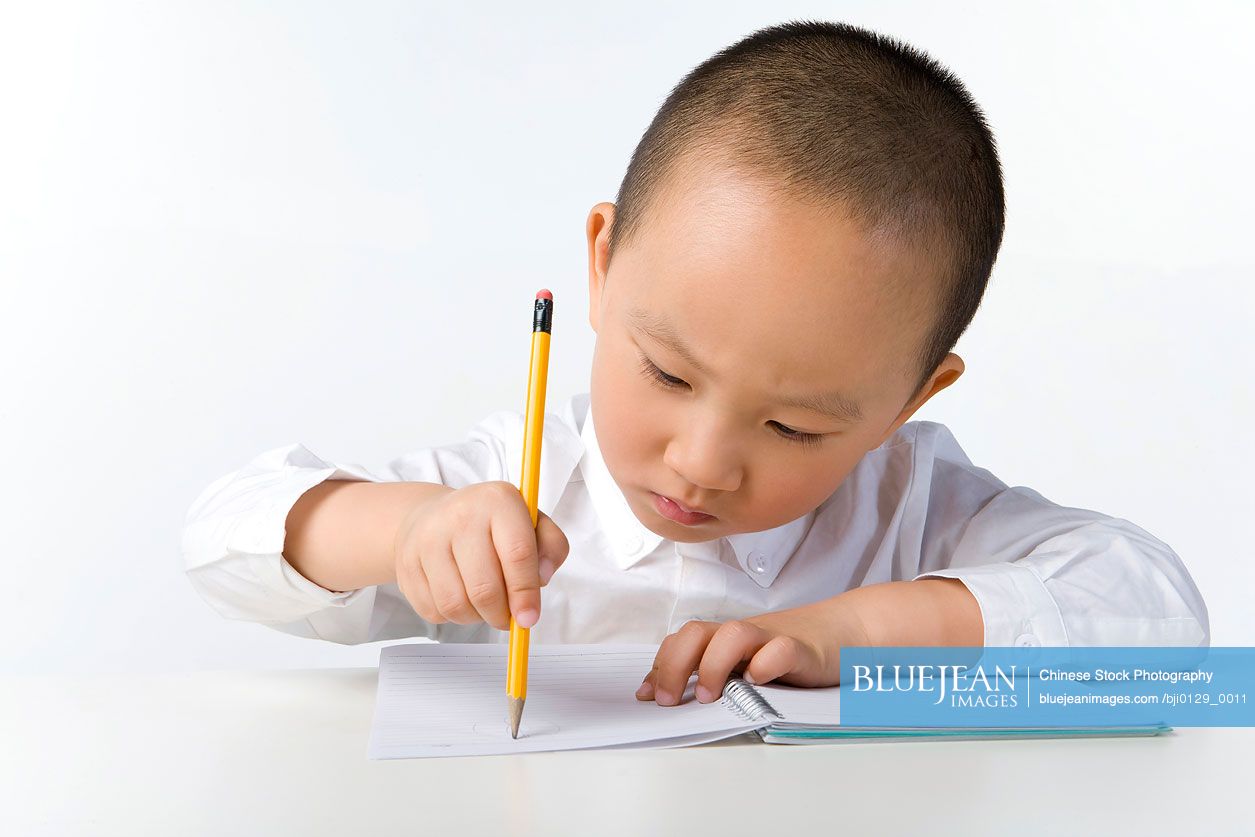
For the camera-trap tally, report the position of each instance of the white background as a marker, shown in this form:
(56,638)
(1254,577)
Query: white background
(226,227)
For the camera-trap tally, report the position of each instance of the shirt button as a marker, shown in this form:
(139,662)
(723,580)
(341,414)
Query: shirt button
(630,543)
(758,562)
(1027,641)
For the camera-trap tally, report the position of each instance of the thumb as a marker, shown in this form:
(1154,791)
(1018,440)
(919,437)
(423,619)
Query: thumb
(552,546)
(789,660)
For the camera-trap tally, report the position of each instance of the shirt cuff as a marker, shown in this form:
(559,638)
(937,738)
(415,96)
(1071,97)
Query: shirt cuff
(256,537)
(281,577)
(1015,606)
(261,536)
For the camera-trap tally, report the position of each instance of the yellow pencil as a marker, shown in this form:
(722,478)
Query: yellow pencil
(533,429)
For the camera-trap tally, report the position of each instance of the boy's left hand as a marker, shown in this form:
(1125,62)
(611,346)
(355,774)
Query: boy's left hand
(799,647)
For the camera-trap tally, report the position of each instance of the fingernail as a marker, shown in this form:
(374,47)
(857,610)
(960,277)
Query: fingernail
(527,618)
(748,678)
(646,691)
(663,697)
(546,570)
(704,695)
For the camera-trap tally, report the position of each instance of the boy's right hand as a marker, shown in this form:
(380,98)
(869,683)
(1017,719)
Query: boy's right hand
(470,554)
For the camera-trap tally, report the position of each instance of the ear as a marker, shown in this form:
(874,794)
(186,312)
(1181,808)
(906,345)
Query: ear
(946,373)
(597,230)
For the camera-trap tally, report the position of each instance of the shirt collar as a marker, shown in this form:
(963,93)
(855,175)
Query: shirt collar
(761,555)
(630,540)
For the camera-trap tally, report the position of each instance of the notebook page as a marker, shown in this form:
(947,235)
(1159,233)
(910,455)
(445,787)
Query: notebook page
(449,700)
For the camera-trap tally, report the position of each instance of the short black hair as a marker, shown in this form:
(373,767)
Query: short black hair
(841,115)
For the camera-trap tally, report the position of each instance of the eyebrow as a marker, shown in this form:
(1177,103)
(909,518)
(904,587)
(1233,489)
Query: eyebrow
(835,405)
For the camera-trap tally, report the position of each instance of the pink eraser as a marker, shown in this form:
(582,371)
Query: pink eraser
(543,293)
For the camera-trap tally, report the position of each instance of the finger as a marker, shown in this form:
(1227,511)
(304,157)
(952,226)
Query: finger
(413,583)
(481,574)
(732,644)
(552,546)
(646,690)
(444,580)
(784,657)
(514,539)
(677,659)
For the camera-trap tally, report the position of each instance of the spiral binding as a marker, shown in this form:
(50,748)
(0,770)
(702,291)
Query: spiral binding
(746,701)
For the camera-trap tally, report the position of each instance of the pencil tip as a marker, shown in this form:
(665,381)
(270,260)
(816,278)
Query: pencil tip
(516,715)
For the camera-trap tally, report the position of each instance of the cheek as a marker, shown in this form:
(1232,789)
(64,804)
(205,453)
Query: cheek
(629,414)
(788,487)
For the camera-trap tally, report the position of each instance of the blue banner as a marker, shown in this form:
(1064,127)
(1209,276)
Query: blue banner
(1047,687)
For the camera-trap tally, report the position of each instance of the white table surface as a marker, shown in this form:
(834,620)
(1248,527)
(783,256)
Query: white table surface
(284,752)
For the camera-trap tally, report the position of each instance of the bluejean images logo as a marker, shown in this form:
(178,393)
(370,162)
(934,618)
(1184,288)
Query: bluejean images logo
(1047,687)
(974,687)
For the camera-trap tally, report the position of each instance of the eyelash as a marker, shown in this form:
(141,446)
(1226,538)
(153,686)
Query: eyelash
(651,371)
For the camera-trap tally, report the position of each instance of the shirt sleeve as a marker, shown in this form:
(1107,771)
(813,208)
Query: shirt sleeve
(1045,574)
(233,538)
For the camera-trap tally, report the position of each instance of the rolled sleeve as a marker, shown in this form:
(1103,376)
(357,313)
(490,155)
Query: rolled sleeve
(234,534)
(1015,605)
(1046,574)
(1050,575)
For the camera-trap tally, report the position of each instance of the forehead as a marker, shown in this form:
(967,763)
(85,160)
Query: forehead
(794,293)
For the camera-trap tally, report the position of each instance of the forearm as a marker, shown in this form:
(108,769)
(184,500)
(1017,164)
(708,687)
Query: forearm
(340,533)
(930,611)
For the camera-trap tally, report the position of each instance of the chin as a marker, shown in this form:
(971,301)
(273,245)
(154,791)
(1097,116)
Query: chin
(673,531)
(686,534)
(690,536)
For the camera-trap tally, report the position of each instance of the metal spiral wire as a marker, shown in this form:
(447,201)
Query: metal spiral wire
(746,701)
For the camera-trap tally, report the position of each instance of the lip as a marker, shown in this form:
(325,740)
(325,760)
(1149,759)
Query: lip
(674,510)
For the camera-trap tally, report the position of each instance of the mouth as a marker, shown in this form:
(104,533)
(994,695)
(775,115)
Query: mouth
(678,512)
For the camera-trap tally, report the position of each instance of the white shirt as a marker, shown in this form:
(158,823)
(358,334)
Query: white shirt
(916,506)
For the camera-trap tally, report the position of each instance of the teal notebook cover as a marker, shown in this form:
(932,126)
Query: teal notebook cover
(812,735)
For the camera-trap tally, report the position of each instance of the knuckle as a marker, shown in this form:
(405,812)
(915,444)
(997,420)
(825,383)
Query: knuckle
(553,550)
(787,647)
(410,578)
(450,604)
(501,490)
(736,629)
(416,571)
(458,514)
(412,559)
(423,608)
(483,593)
(691,628)
(517,553)
(561,545)
(411,596)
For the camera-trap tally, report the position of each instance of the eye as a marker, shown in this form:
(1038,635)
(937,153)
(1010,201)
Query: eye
(796,436)
(649,370)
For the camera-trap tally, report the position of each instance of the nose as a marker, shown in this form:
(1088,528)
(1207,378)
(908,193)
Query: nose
(702,453)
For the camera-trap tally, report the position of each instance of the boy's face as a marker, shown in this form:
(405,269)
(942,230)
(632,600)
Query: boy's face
(747,300)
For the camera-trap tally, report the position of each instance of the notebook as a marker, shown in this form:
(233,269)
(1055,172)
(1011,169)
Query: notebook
(449,700)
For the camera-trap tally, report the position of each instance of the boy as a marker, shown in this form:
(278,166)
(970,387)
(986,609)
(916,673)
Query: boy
(803,233)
